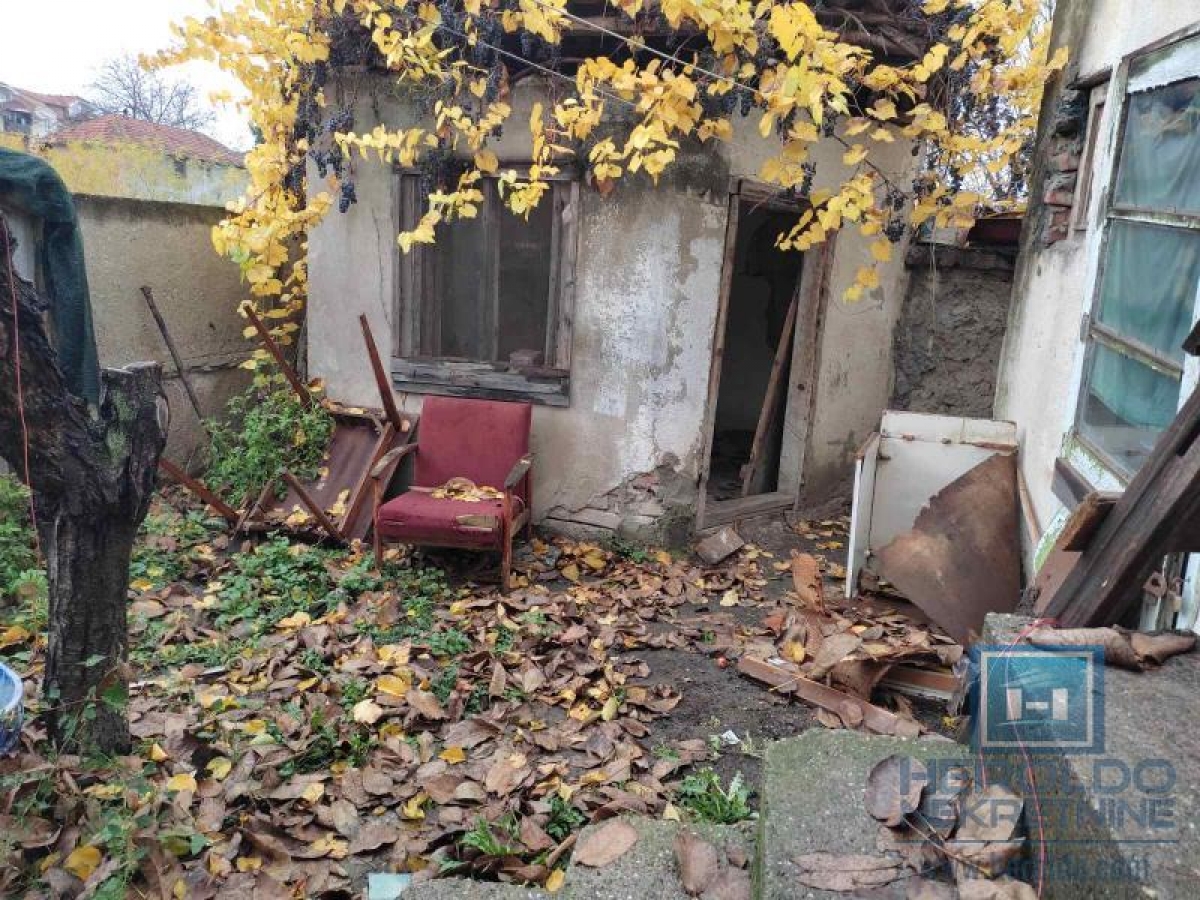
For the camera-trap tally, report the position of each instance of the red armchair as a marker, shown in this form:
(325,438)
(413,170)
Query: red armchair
(484,441)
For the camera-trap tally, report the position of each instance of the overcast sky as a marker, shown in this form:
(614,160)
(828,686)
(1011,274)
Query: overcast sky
(55,46)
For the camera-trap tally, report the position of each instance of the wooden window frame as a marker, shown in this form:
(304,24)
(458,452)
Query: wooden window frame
(1093,332)
(417,368)
(1097,103)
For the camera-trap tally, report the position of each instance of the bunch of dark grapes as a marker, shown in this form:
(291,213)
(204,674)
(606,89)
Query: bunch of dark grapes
(346,195)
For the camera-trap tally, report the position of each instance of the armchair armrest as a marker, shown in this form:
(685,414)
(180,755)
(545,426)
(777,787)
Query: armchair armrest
(519,470)
(388,459)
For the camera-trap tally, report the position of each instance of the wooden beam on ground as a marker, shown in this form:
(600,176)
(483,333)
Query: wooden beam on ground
(771,398)
(876,718)
(197,487)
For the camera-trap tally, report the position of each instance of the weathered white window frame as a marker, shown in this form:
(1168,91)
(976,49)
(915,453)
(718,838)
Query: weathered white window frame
(417,366)
(1101,472)
(1180,61)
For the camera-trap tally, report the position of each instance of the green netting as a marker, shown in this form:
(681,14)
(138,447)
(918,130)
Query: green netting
(31,186)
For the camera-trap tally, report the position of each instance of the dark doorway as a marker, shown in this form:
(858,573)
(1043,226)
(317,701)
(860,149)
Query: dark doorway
(762,291)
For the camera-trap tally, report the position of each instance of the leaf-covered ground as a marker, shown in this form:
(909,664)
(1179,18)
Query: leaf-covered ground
(301,719)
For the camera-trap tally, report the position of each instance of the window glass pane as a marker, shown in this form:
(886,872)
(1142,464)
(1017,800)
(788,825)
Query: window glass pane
(1126,406)
(462,266)
(1151,275)
(525,251)
(1160,153)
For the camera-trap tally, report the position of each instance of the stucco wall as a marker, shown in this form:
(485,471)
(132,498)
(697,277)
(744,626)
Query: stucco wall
(628,449)
(1039,371)
(130,243)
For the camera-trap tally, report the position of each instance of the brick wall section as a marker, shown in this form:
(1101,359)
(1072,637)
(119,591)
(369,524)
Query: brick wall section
(1065,148)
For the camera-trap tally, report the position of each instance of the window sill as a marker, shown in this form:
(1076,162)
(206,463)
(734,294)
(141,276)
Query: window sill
(480,380)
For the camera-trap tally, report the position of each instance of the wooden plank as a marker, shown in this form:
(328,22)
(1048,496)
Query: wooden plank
(809,325)
(312,506)
(877,719)
(718,354)
(179,366)
(1086,520)
(488,346)
(284,366)
(722,512)
(197,487)
(568,254)
(381,378)
(766,415)
(482,380)
(1155,515)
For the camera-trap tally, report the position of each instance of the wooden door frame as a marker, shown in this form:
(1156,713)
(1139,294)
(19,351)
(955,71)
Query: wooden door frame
(813,290)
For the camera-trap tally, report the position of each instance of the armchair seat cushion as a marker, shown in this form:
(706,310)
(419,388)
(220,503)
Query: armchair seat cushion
(417,517)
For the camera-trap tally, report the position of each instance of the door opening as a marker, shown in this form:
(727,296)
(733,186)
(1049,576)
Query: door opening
(755,357)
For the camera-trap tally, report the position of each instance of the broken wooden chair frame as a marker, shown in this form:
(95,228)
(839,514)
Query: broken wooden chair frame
(361,456)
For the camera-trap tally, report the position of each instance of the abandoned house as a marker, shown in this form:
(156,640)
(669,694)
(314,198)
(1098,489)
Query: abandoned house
(1106,289)
(662,337)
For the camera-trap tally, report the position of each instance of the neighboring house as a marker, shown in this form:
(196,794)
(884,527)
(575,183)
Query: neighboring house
(147,197)
(36,115)
(120,156)
(642,325)
(1108,283)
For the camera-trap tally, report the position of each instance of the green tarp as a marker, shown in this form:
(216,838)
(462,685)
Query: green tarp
(30,186)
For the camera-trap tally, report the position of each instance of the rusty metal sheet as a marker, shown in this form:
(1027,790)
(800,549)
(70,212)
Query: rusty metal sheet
(359,440)
(962,558)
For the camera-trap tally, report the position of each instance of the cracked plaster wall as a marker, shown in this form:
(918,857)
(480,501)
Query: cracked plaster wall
(625,455)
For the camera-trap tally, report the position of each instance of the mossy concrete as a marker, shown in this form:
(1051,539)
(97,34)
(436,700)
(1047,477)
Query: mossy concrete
(812,802)
(648,869)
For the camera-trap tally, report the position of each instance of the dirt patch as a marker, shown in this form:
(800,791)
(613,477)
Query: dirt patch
(717,700)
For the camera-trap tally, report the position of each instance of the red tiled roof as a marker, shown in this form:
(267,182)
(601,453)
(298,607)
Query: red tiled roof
(113,129)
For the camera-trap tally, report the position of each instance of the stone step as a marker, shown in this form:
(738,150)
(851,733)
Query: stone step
(648,870)
(467,889)
(812,802)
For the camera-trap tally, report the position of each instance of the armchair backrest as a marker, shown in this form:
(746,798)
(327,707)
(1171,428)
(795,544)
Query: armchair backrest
(476,439)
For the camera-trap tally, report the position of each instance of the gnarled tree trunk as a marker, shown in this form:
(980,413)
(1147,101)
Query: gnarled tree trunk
(92,471)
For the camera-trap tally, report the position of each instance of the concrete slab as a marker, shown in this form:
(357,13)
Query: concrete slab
(466,889)
(812,801)
(648,871)
(1123,822)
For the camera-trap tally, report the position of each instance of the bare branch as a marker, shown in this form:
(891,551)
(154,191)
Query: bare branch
(123,87)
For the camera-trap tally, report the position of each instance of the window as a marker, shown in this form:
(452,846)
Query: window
(17,121)
(1149,276)
(486,311)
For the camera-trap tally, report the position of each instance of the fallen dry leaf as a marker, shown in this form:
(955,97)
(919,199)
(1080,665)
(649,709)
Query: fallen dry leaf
(697,860)
(606,844)
(851,872)
(730,884)
(894,788)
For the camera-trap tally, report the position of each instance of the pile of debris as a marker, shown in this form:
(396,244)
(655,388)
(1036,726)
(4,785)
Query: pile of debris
(835,658)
